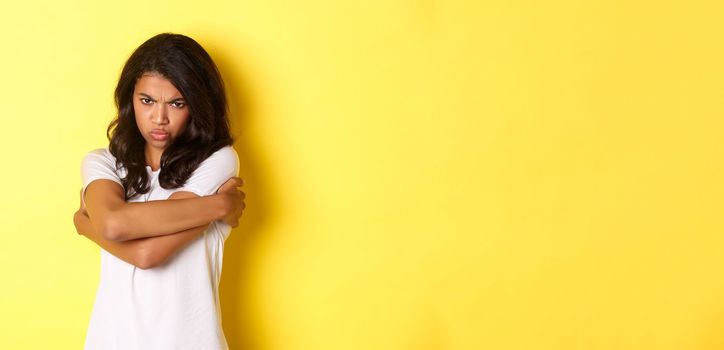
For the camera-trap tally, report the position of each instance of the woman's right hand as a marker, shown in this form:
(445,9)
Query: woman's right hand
(235,200)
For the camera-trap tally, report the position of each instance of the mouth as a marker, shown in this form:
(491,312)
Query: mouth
(159,135)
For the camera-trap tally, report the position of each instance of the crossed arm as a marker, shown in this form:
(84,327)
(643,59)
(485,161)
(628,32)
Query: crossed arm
(146,234)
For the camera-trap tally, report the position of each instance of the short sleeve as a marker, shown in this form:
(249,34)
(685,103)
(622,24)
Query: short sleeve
(98,164)
(213,172)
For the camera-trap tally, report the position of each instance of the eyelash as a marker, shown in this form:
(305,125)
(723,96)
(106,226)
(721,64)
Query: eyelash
(176,104)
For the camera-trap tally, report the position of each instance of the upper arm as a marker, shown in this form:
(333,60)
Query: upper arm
(102,190)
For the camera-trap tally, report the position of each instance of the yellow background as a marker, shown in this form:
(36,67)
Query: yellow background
(420,174)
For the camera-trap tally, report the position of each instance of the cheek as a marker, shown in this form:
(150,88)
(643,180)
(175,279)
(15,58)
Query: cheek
(138,113)
(183,121)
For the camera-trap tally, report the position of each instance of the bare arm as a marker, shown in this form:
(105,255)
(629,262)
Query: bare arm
(116,220)
(144,253)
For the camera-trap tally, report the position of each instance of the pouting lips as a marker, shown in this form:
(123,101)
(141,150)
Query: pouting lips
(159,135)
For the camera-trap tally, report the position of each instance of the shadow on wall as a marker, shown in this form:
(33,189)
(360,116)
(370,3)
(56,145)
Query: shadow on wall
(235,288)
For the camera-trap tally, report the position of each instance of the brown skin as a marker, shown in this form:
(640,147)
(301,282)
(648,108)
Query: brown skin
(160,107)
(118,220)
(146,234)
(152,252)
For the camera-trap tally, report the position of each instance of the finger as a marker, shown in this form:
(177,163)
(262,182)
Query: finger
(235,181)
(228,185)
(238,181)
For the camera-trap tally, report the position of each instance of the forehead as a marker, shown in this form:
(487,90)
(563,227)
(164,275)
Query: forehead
(155,84)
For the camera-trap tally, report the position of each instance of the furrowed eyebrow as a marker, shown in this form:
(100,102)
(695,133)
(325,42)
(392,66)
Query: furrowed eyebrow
(147,96)
(178,99)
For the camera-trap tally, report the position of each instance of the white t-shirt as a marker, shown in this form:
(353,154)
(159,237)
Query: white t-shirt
(170,307)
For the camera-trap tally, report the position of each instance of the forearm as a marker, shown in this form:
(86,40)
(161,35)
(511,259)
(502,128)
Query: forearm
(119,220)
(128,251)
(161,217)
(144,252)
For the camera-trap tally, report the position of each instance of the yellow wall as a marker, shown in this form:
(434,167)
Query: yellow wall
(420,174)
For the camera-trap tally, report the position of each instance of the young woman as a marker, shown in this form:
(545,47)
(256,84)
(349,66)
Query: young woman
(160,201)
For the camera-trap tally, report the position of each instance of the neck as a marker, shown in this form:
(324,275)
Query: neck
(153,158)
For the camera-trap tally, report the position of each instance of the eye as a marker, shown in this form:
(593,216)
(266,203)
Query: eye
(178,104)
(146,101)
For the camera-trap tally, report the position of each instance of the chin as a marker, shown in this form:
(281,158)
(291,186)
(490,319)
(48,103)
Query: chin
(158,144)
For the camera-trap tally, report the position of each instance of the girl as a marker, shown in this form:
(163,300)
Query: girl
(160,201)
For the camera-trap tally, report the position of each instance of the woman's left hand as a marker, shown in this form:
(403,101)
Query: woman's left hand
(235,200)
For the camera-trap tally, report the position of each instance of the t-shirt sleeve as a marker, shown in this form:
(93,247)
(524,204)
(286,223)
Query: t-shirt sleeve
(213,172)
(98,164)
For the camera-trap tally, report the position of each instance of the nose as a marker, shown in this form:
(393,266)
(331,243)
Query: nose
(160,116)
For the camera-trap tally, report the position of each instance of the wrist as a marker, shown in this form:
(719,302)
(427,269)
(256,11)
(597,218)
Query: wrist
(225,206)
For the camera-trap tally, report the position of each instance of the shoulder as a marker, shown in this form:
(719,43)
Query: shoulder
(102,152)
(100,164)
(213,172)
(226,153)
(225,157)
(99,156)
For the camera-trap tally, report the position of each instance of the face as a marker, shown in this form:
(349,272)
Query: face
(161,112)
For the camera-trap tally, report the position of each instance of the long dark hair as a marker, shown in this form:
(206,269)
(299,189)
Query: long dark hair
(191,70)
